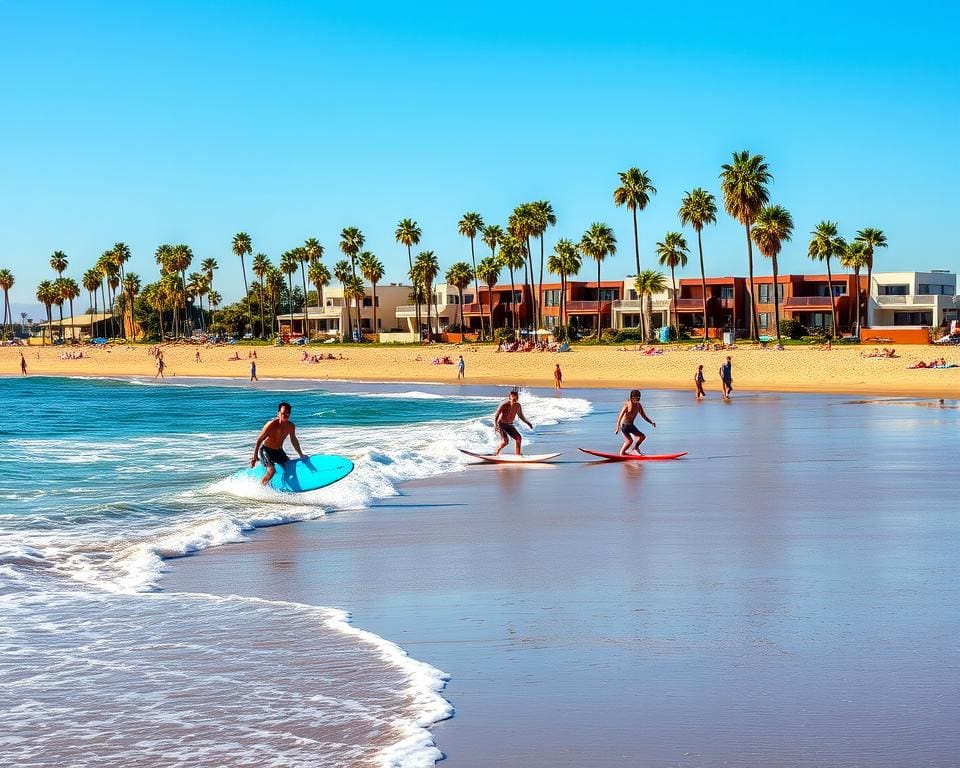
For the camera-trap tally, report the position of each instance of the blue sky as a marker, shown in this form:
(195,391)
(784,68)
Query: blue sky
(188,122)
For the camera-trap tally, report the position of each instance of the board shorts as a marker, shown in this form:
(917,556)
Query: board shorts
(271,456)
(508,430)
(630,429)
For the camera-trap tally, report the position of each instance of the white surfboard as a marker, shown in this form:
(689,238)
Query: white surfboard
(512,458)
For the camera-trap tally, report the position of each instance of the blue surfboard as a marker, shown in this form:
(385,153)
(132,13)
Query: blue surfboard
(300,475)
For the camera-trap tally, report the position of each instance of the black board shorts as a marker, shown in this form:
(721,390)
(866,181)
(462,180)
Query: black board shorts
(508,430)
(630,429)
(271,456)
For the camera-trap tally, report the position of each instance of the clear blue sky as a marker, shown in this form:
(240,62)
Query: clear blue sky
(188,122)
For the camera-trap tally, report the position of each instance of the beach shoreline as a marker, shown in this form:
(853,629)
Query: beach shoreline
(795,369)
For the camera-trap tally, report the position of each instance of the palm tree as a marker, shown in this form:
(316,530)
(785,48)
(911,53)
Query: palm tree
(522,224)
(121,255)
(635,190)
(6,283)
(107,268)
(320,277)
(58,263)
(69,290)
(512,257)
(854,257)
(564,262)
(493,235)
(181,257)
(351,241)
(470,225)
(242,246)
(698,209)
(408,234)
(59,286)
(90,282)
(312,252)
(871,239)
(429,269)
(825,243)
(744,184)
(131,287)
(647,283)
(544,217)
(459,276)
(372,269)
(47,295)
(772,228)
(208,267)
(353,289)
(341,271)
(488,270)
(213,300)
(196,287)
(289,264)
(673,253)
(598,242)
(261,266)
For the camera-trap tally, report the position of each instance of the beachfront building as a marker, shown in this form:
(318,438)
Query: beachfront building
(84,327)
(331,318)
(444,310)
(581,300)
(727,306)
(628,311)
(912,299)
(806,299)
(508,306)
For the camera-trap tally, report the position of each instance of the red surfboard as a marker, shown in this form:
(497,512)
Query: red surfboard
(633,456)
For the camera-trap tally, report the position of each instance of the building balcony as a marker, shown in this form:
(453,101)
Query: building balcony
(587,307)
(658,304)
(410,310)
(696,305)
(925,300)
(809,302)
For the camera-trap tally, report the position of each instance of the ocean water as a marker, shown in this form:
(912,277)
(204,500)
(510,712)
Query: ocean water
(103,480)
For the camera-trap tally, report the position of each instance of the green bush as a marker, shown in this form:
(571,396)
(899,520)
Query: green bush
(791,328)
(629,336)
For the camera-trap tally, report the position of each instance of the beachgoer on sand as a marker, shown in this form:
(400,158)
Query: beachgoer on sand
(197,357)
(632,437)
(160,366)
(460,367)
(726,377)
(503,419)
(557,377)
(269,446)
(23,364)
(698,379)
(253,370)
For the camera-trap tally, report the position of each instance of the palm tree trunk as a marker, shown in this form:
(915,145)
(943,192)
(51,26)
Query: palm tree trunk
(263,322)
(540,289)
(776,298)
(246,292)
(462,329)
(676,319)
(490,305)
(476,288)
(636,242)
(598,299)
(856,280)
(60,307)
(866,302)
(563,299)
(703,289)
(514,311)
(833,302)
(375,329)
(427,289)
(752,291)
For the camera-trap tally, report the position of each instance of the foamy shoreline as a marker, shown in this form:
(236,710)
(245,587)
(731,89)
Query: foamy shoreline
(795,369)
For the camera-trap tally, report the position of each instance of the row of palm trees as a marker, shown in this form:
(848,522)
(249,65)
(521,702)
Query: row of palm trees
(744,186)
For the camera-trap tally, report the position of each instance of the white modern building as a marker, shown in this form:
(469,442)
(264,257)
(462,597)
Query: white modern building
(918,299)
(628,311)
(444,311)
(331,318)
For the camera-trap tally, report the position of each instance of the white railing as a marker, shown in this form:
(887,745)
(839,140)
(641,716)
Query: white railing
(410,310)
(659,303)
(881,300)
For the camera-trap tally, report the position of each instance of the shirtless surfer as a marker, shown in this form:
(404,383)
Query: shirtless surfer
(625,426)
(503,419)
(269,447)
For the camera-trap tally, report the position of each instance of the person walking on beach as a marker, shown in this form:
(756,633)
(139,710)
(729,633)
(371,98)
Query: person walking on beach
(503,419)
(160,365)
(698,379)
(269,446)
(23,364)
(557,377)
(460,366)
(632,437)
(253,370)
(197,356)
(726,377)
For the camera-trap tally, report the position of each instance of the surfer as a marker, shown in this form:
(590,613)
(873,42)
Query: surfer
(269,446)
(503,419)
(625,426)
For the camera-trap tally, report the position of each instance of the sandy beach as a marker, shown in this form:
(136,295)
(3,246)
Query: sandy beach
(795,369)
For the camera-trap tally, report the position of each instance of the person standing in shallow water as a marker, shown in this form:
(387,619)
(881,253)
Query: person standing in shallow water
(557,377)
(503,419)
(253,370)
(460,367)
(269,446)
(625,426)
(726,378)
(698,379)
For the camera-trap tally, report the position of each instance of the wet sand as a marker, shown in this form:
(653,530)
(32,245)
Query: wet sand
(787,595)
(796,369)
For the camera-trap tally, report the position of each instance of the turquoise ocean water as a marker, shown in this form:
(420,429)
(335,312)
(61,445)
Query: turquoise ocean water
(101,480)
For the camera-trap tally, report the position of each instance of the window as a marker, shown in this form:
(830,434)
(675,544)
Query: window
(913,318)
(550,321)
(839,290)
(764,320)
(632,294)
(609,294)
(765,293)
(726,292)
(894,290)
(551,298)
(468,298)
(935,290)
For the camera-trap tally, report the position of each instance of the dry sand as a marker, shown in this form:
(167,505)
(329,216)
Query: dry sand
(796,369)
